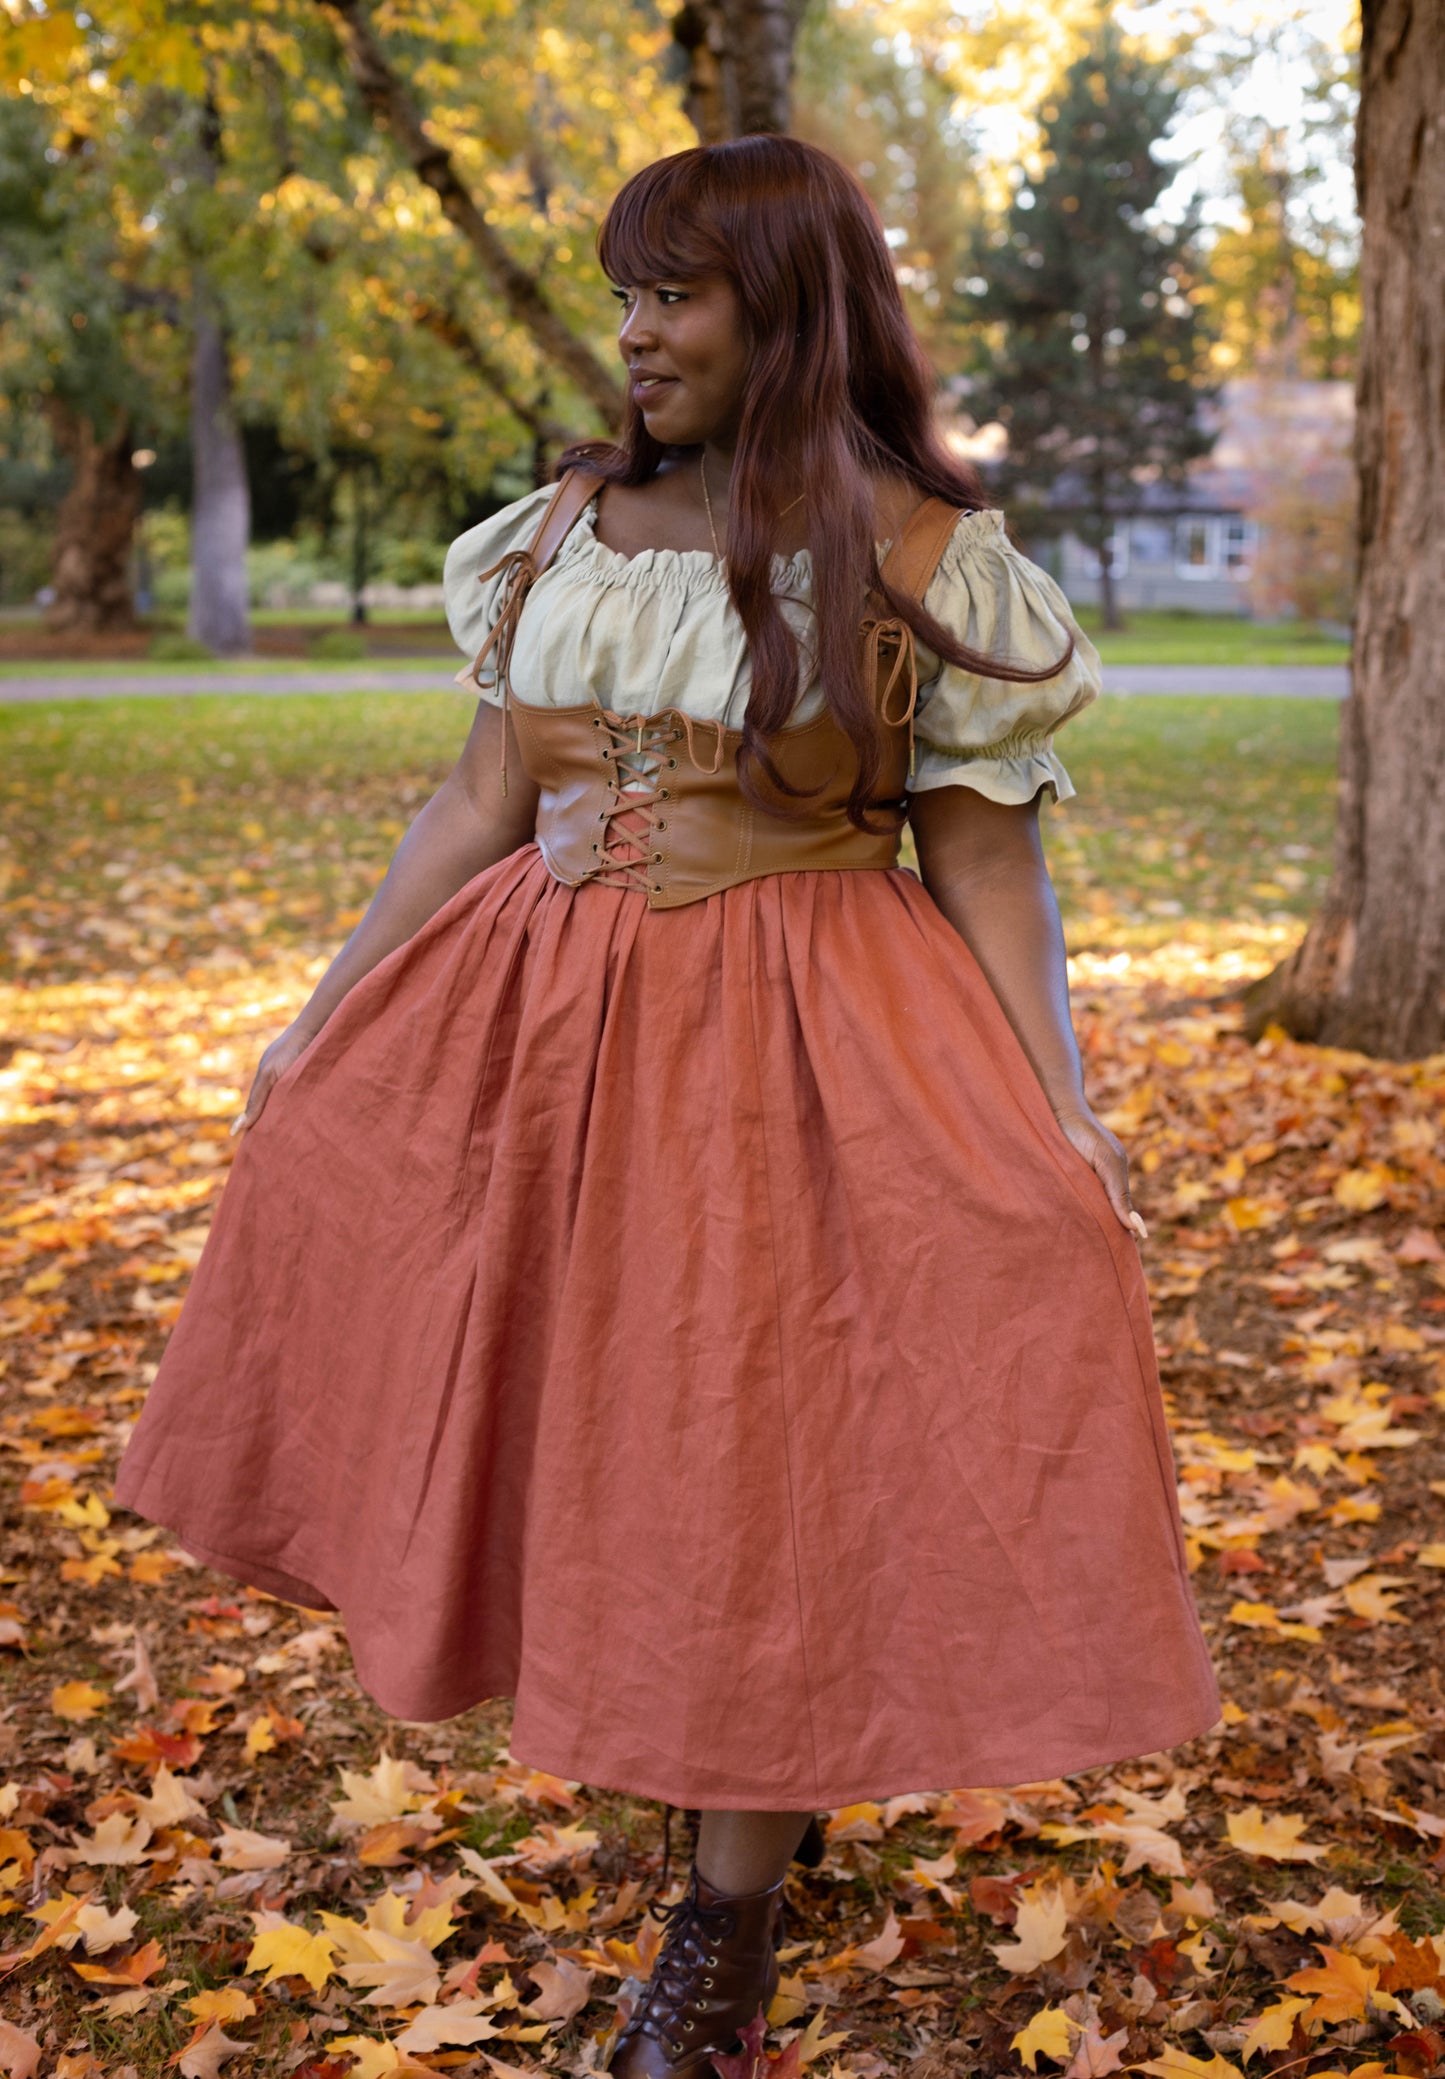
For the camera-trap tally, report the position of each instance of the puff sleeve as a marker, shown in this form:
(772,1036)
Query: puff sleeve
(994,734)
(471,608)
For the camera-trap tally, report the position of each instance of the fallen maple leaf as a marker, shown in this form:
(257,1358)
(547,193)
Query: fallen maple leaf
(390,1790)
(283,1950)
(1274,2028)
(1042,1930)
(170,1800)
(1340,1987)
(1096,2055)
(238,1848)
(885,1948)
(207,2051)
(227,2003)
(1369,1597)
(140,1677)
(118,1840)
(1176,2064)
(19,2051)
(103,1929)
(130,1970)
(374,2059)
(77,1701)
(564,1989)
(972,1815)
(1050,2034)
(1265,1617)
(1276,1839)
(457,2025)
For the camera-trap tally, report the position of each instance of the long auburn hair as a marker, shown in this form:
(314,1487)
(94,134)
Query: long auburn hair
(838,390)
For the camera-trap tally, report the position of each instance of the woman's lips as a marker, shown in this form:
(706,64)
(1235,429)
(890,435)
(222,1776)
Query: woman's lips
(646,389)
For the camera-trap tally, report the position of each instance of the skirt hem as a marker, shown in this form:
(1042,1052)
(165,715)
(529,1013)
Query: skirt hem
(1051,1760)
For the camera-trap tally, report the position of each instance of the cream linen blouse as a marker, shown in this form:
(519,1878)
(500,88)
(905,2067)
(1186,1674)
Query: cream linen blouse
(659,630)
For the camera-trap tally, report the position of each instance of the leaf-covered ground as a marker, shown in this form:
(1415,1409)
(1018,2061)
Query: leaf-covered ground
(215,1854)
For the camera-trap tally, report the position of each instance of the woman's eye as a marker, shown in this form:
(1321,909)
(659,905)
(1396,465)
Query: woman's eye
(671,296)
(622,295)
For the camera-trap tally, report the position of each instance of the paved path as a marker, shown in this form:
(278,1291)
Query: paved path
(1299,681)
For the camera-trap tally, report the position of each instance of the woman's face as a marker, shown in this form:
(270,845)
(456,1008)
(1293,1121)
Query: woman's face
(686,357)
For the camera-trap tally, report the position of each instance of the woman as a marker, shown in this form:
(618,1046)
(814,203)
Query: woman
(673,1275)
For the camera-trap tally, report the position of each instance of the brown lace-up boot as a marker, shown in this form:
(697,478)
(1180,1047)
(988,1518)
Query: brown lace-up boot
(717,1966)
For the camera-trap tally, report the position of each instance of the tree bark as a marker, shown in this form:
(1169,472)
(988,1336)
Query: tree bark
(739,66)
(1108,589)
(220,612)
(95,526)
(1370,973)
(391,105)
(453,332)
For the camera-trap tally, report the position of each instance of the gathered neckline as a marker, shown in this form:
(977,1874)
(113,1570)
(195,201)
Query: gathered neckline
(696,568)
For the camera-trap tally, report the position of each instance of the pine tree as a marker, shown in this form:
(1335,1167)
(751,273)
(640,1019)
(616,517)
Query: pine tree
(1091,350)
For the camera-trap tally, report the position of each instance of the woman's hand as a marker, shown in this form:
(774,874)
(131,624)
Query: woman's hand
(273,1064)
(1104,1153)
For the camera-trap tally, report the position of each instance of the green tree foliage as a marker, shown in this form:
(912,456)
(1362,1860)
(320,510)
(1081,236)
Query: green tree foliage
(1283,283)
(1091,348)
(86,358)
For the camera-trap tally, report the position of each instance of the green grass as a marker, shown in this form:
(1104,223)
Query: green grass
(1191,810)
(145,668)
(1187,638)
(140,831)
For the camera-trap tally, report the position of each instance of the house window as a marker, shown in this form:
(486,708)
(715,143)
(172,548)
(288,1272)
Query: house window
(1239,540)
(1119,554)
(1196,548)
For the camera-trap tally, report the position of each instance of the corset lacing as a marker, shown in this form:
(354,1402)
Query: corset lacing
(639,748)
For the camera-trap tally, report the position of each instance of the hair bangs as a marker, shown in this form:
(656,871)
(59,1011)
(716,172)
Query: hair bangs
(660,228)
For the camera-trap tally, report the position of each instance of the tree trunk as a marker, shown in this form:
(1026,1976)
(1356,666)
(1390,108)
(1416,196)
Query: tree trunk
(739,66)
(220,613)
(521,293)
(95,526)
(1370,973)
(1108,590)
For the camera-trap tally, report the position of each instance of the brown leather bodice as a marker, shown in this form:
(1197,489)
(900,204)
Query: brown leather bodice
(671,820)
(687,830)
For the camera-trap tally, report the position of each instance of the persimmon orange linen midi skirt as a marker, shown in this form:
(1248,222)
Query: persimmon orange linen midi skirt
(694,1325)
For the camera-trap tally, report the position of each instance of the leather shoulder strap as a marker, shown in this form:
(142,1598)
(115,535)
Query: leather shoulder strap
(918,546)
(574,493)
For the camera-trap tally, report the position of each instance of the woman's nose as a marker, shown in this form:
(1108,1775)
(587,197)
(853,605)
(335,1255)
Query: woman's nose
(636,335)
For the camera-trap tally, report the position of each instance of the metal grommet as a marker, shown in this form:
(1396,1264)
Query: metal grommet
(661,825)
(672,761)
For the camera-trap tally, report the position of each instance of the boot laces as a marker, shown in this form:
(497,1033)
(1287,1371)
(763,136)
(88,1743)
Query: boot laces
(690,1930)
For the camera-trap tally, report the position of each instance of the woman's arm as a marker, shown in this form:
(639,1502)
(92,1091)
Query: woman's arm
(468,825)
(982,862)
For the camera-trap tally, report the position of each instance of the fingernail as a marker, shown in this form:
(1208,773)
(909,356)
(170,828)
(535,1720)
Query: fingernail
(1136,1222)
(237,1123)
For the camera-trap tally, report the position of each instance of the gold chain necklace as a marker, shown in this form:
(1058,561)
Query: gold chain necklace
(707,503)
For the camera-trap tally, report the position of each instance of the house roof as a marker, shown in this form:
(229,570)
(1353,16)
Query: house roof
(1263,426)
